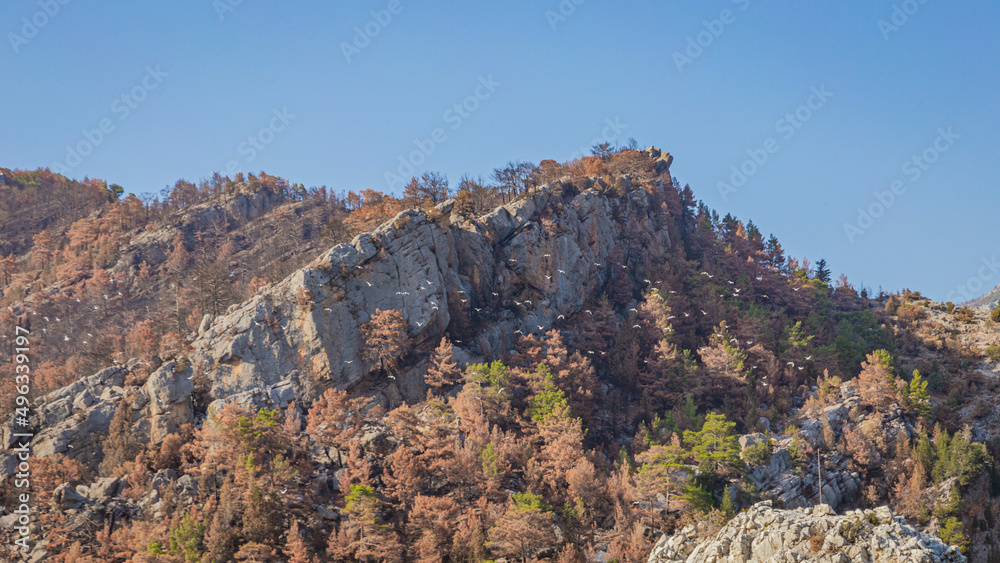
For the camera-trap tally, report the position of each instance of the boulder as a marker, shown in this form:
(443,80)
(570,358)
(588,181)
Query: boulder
(765,534)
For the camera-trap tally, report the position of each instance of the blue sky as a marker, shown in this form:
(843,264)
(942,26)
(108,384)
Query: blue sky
(266,85)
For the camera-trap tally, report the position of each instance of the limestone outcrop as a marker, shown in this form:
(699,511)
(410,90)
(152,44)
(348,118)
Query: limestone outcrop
(763,534)
(517,268)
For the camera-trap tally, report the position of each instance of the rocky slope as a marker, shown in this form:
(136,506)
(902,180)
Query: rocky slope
(765,534)
(482,282)
(987,300)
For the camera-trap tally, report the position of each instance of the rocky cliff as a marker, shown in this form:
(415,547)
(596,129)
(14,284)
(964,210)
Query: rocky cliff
(482,281)
(765,534)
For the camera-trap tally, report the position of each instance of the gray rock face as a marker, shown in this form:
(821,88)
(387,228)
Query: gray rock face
(516,268)
(168,391)
(72,420)
(508,267)
(764,534)
(242,205)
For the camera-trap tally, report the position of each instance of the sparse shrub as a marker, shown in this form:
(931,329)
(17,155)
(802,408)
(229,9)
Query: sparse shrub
(758,453)
(953,533)
(911,313)
(949,306)
(816,541)
(993,352)
(965,315)
(995,314)
(891,306)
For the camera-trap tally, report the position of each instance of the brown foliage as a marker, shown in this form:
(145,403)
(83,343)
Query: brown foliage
(443,370)
(431,527)
(387,339)
(334,418)
(874,384)
(521,532)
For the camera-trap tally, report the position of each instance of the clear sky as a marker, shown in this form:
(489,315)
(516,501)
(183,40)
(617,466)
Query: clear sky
(271,85)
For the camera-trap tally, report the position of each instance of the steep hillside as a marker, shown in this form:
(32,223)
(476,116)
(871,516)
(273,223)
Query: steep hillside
(988,300)
(32,202)
(568,365)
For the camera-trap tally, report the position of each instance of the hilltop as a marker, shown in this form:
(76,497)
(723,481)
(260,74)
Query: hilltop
(569,361)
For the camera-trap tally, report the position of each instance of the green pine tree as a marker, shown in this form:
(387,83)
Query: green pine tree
(728,508)
(919,398)
(715,443)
